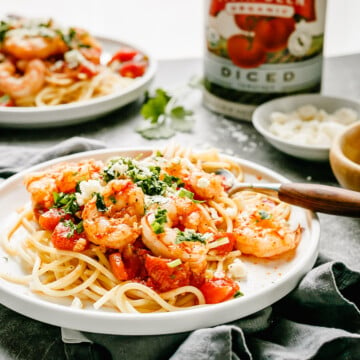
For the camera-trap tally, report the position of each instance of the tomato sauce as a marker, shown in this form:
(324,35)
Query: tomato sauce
(257,50)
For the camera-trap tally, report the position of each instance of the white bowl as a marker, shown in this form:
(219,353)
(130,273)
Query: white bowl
(261,122)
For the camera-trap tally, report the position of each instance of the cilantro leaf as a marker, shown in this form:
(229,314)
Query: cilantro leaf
(180,112)
(166,116)
(155,106)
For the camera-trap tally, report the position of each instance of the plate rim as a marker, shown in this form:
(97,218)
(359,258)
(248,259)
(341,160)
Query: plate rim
(133,324)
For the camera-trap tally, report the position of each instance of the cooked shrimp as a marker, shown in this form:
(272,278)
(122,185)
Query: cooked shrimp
(22,86)
(262,228)
(31,43)
(181,214)
(60,178)
(204,185)
(114,223)
(88,45)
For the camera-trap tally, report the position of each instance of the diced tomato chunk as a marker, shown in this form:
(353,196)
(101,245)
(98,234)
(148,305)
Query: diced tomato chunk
(65,238)
(124,54)
(49,219)
(117,266)
(217,290)
(6,101)
(132,69)
(165,277)
(134,261)
(226,248)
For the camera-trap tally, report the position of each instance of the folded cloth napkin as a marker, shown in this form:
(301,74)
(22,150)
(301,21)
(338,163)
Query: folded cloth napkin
(320,319)
(14,158)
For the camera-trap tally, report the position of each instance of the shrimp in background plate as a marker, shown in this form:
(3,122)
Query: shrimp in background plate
(22,86)
(262,228)
(112,218)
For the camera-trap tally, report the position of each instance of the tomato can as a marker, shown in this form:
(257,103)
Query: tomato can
(257,50)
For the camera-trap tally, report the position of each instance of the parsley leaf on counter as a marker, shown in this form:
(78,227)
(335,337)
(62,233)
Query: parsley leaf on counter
(164,115)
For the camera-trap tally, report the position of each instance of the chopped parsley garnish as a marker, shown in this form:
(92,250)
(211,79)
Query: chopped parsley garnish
(100,204)
(164,116)
(238,294)
(73,227)
(190,235)
(173,181)
(148,179)
(160,221)
(188,194)
(4,28)
(67,38)
(264,215)
(67,202)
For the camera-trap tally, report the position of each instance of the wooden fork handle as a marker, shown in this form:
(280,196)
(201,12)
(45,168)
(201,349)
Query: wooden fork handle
(321,198)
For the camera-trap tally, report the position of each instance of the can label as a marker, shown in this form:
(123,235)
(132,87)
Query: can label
(264,48)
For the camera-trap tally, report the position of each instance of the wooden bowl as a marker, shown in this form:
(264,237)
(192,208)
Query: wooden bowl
(345,157)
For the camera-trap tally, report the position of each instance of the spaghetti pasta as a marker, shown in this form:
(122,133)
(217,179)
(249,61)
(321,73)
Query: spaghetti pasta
(141,235)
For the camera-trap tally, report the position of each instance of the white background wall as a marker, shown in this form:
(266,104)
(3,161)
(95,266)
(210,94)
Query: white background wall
(171,28)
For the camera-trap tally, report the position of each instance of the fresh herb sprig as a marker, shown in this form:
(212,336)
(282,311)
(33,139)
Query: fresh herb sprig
(164,115)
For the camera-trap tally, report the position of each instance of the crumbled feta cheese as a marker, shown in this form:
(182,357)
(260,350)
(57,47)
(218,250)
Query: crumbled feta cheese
(237,269)
(203,183)
(311,126)
(119,168)
(87,190)
(74,58)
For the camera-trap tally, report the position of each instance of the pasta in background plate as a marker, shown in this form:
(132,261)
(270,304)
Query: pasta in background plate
(43,64)
(143,235)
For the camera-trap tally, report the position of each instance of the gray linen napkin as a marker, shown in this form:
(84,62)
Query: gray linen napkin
(320,319)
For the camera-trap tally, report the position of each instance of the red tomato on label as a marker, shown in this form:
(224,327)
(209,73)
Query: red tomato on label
(273,33)
(65,238)
(117,266)
(49,219)
(216,6)
(218,290)
(124,54)
(132,69)
(246,22)
(244,52)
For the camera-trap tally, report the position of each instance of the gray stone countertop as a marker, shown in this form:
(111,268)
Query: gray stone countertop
(24,338)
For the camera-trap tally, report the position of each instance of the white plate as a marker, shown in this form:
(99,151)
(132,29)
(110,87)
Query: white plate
(267,280)
(74,113)
(261,121)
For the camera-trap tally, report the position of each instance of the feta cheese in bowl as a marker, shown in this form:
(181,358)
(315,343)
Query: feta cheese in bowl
(304,126)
